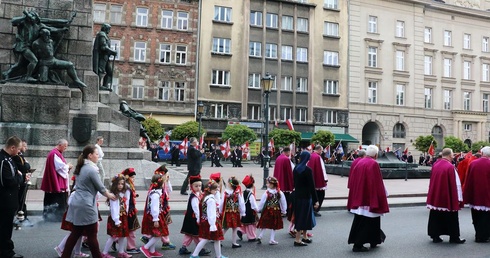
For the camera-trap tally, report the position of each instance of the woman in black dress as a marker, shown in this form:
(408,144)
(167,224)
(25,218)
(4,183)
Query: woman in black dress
(304,197)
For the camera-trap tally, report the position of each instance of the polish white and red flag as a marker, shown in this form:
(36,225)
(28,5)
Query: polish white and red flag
(292,147)
(165,143)
(225,149)
(271,145)
(201,141)
(289,122)
(245,151)
(183,146)
(310,147)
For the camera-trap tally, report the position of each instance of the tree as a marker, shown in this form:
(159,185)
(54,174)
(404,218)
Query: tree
(153,128)
(187,129)
(323,138)
(238,134)
(284,137)
(456,144)
(476,146)
(422,143)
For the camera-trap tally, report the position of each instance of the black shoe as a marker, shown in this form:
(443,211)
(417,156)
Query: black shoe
(204,252)
(184,193)
(307,240)
(240,235)
(259,241)
(457,241)
(235,246)
(373,246)
(482,240)
(356,249)
(113,247)
(85,245)
(317,214)
(436,239)
(252,240)
(17,256)
(300,244)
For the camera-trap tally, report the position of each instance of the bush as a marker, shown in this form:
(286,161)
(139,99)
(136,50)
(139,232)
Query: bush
(284,137)
(153,128)
(238,134)
(187,129)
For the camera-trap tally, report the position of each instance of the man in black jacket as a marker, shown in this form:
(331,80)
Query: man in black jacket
(25,168)
(193,163)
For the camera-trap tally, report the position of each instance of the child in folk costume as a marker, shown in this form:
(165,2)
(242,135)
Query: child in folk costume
(209,221)
(154,223)
(218,179)
(232,208)
(190,227)
(117,223)
(272,204)
(133,222)
(249,221)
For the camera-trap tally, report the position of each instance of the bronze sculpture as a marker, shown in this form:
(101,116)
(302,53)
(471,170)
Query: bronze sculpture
(100,57)
(131,113)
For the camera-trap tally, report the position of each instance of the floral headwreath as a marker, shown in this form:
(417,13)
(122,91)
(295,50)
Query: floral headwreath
(209,184)
(118,176)
(273,180)
(159,181)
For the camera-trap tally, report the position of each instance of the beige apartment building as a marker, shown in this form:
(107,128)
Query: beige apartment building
(302,44)
(418,67)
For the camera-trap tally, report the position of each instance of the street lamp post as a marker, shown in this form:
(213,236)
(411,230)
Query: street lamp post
(200,111)
(266,82)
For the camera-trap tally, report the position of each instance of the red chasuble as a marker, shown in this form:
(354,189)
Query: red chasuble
(443,192)
(315,164)
(367,188)
(52,181)
(284,173)
(352,171)
(476,191)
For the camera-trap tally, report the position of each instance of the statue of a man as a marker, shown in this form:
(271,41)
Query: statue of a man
(44,50)
(100,57)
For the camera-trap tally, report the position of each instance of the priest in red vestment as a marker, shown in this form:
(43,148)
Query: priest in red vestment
(319,176)
(367,200)
(477,195)
(283,171)
(444,200)
(361,154)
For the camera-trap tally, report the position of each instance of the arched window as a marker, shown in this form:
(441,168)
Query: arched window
(468,143)
(399,131)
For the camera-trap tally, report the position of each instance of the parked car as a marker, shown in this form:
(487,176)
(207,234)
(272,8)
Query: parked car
(162,156)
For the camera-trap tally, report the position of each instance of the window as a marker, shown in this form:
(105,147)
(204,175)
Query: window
(373,24)
(331,117)
(485,75)
(254,112)
(301,84)
(331,4)
(331,29)
(220,78)
(428,98)
(254,80)
(222,14)
(165,50)
(428,65)
(115,85)
(484,44)
(400,95)
(287,83)
(485,102)
(287,23)
(218,111)
(138,88)
(255,49)
(167,19)
(142,17)
(447,67)
(287,53)
(447,38)
(372,57)
(428,35)
(330,58)
(271,20)
(466,100)
(116,14)
(467,70)
(274,83)
(301,114)
(285,113)
(467,41)
(301,54)
(164,90)
(400,60)
(99,13)
(270,50)
(179,91)
(467,127)
(116,45)
(182,20)
(400,29)
(331,87)
(181,55)
(221,45)
(447,99)
(139,51)
(372,92)
(272,113)
(399,131)
(255,18)
(302,25)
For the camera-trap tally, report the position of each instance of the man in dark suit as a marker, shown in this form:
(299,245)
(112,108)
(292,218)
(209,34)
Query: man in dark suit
(238,158)
(193,163)
(25,168)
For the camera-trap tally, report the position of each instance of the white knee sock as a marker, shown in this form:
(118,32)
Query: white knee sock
(78,246)
(273,234)
(108,244)
(199,246)
(121,248)
(61,246)
(261,233)
(151,244)
(217,248)
(234,236)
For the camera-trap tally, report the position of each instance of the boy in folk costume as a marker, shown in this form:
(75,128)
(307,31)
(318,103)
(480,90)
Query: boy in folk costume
(133,222)
(272,204)
(232,209)
(249,221)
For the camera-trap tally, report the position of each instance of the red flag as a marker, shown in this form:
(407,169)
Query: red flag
(245,150)
(360,147)
(271,145)
(289,122)
(183,146)
(387,149)
(201,141)
(311,147)
(164,143)
(292,147)
(431,149)
(405,151)
(275,123)
(327,151)
(225,149)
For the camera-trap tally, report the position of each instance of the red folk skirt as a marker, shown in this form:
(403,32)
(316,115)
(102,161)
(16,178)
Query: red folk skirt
(147,227)
(271,219)
(115,231)
(232,220)
(206,234)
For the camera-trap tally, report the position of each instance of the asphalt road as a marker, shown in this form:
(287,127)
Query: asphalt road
(405,229)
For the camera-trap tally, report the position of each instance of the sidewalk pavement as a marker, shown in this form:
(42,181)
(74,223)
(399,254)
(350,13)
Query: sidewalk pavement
(412,192)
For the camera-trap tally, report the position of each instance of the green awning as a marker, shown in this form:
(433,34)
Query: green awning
(345,137)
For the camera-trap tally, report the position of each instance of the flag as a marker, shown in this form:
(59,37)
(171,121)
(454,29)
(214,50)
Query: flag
(271,145)
(165,143)
(431,150)
(387,149)
(339,148)
(311,147)
(292,146)
(289,122)
(327,151)
(245,151)
(275,123)
(360,147)
(405,152)
(225,149)
(201,141)
(183,146)
(397,153)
